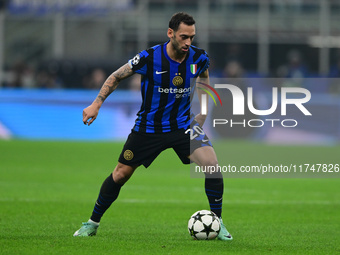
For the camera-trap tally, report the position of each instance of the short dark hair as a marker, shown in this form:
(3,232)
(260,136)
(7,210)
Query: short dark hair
(180,17)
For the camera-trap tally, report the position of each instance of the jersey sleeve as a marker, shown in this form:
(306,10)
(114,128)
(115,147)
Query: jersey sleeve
(138,62)
(205,62)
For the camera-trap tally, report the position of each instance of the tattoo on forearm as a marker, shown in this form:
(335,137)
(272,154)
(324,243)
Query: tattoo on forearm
(112,82)
(100,99)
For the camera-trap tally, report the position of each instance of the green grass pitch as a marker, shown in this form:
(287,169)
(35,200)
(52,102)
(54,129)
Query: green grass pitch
(48,188)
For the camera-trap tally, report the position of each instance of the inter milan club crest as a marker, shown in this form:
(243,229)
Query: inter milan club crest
(177,80)
(193,68)
(128,155)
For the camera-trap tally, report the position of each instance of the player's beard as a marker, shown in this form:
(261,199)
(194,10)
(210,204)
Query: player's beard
(177,47)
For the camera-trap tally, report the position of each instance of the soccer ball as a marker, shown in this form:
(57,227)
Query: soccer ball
(204,225)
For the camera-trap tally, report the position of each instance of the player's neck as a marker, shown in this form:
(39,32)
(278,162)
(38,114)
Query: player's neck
(173,54)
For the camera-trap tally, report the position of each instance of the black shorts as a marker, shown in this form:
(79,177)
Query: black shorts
(143,148)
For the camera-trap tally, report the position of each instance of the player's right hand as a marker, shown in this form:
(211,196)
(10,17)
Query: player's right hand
(90,113)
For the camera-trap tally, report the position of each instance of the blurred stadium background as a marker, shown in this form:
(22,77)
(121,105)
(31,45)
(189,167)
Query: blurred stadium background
(55,55)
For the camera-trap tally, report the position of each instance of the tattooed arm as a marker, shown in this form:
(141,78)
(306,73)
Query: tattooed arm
(91,112)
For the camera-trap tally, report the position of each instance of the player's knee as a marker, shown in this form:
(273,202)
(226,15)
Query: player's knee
(122,173)
(210,162)
(212,167)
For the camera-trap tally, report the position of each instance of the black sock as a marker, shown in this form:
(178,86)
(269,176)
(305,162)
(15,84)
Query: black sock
(214,192)
(107,195)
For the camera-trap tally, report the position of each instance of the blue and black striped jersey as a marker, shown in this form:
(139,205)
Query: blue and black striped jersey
(166,88)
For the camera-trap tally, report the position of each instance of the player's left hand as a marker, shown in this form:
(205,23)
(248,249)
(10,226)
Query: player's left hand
(200,119)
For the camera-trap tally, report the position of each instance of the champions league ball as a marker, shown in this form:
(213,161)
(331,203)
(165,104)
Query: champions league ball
(204,225)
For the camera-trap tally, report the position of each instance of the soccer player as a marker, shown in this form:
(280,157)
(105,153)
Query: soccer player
(164,120)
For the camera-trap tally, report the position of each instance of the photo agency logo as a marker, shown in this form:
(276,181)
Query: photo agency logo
(280,98)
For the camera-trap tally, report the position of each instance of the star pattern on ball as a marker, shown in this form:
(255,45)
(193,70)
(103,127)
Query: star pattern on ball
(198,216)
(207,229)
(193,232)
